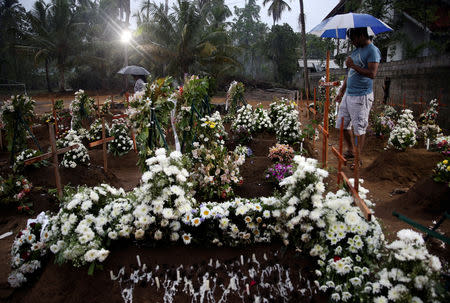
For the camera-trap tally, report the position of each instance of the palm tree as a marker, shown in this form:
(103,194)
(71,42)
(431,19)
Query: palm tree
(55,33)
(305,61)
(39,21)
(276,8)
(183,41)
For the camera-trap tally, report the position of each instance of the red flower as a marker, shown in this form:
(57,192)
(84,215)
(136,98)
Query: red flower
(336,258)
(181,90)
(19,208)
(253,282)
(241,181)
(224,194)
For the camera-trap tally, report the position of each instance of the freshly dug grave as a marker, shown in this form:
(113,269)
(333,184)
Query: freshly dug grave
(68,284)
(402,167)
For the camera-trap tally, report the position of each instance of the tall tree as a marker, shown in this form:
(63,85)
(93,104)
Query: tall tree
(183,40)
(305,59)
(59,37)
(248,34)
(276,8)
(13,28)
(284,58)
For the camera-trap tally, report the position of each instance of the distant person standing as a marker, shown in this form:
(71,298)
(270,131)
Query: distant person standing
(139,85)
(356,94)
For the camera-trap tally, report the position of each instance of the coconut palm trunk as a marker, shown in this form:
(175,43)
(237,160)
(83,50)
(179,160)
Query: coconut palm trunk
(61,81)
(305,60)
(47,78)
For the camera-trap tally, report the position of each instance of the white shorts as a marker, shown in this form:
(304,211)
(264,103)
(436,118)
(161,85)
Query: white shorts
(355,109)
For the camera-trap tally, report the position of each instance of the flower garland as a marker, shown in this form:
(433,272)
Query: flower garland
(442,172)
(26,154)
(122,142)
(75,156)
(96,129)
(404,133)
(262,120)
(235,95)
(81,108)
(15,190)
(14,114)
(27,250)
(244,119)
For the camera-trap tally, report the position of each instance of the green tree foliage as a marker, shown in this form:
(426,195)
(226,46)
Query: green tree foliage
(190,39)
(249,34)
(13,28)
(276,8)
(283,56)
(56,33)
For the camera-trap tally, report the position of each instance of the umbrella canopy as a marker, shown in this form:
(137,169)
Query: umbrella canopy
(336,26)
(133,70)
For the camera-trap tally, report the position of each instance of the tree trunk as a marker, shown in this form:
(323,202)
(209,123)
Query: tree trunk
(47,78)
(305,61)
(61,81)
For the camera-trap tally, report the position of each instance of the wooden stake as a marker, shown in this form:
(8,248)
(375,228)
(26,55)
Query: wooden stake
(325,115)
(358,201)
(55,117)
(356,171)
(341,139)
(55,160)
(103,141)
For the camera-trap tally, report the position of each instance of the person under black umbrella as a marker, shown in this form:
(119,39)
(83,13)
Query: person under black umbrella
(139,84)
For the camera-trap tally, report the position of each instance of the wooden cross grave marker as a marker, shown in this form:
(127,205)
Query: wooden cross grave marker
(54,153)
(103,141)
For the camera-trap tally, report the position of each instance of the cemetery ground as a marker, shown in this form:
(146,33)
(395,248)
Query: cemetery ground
(397,181)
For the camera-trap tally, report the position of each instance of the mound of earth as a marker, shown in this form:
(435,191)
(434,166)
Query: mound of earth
(68,284)
(402,167)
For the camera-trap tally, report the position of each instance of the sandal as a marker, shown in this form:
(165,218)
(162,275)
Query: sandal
(348,154)
(352,166)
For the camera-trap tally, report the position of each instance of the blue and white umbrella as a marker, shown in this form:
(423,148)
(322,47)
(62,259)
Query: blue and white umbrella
(336,26)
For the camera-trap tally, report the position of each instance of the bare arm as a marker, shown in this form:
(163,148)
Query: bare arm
(369,72)
(341,91)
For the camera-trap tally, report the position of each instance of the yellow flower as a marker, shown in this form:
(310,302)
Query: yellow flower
(445,161)
(212,124)
(448,168)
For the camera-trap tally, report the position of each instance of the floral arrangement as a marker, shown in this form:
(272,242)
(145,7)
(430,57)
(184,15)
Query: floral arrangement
(244,119)
(235,96)
(105,108)
(281,153)
(429,131)
(211,130)
(404,133)
(349,249)
(27,250)
(442,172)
(215,170)
(442,145)
(277,172)
(122,142)
(262,120)
(155,98)
(14,190)
(26,154)
(78,232)
(284,117)
(95,131)
(384,122)
(243,151)
(383,125)
(75,156)
(81,108)
(411,273)
(431,113)
(15,113)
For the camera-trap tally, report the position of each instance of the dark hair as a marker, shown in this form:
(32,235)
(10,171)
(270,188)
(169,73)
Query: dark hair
(357,31)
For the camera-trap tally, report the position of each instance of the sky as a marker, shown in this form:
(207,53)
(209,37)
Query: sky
(315,10)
